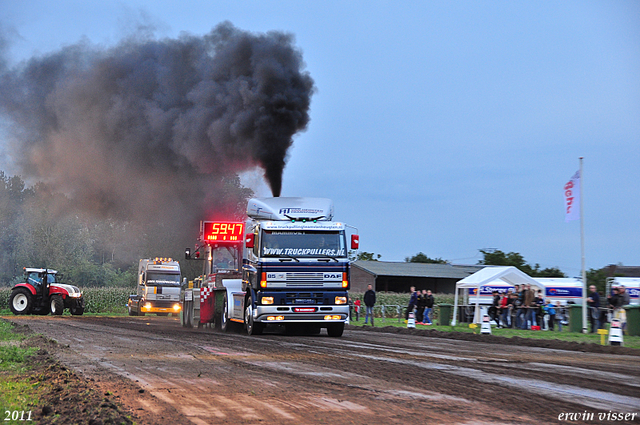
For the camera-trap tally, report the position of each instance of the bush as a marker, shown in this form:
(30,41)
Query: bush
(392,299)
(106,300)
(5,293)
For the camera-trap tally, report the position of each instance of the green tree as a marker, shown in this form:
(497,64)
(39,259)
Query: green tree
(421,257)
(13,194)
(597,277)
(365,256)
(500,258)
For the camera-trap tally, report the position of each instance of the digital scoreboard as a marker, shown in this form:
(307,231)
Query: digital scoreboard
(221,231)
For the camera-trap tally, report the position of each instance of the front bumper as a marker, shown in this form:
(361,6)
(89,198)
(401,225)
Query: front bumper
(151,307)
(320,314)
(73,302)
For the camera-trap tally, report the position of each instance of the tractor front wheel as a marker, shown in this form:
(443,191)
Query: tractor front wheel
(57,305)
(77,311)
(20,301)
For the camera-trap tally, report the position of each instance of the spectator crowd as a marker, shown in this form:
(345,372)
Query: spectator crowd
(521,307)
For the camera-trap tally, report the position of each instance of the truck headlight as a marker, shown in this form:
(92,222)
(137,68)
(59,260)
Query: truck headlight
(267,300)
(341,300)
(147,306)
(176,307)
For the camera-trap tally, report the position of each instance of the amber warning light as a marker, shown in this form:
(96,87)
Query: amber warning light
(222,231)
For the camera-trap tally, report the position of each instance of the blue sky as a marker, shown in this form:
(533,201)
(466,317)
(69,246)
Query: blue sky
(441,127)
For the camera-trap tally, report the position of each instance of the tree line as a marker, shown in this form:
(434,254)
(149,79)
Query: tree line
(40,227)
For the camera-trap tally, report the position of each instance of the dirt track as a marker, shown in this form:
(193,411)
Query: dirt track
(205,377)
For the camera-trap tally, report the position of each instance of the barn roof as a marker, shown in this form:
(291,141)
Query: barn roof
(404,269)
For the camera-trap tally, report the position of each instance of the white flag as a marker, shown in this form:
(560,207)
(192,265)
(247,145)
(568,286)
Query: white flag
(572,198)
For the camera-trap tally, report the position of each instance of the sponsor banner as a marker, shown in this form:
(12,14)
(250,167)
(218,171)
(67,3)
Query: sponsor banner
(304,251)
(488,290)
(564,292)
(290,211)
(163,268)
(554,292)
(572,198)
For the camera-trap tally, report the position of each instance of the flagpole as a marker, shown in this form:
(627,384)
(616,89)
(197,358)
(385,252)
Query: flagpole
(584,272)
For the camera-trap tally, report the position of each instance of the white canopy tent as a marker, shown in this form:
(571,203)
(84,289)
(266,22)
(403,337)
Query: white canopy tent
(488,275)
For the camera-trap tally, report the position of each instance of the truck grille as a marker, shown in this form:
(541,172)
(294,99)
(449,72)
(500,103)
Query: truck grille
(304,277)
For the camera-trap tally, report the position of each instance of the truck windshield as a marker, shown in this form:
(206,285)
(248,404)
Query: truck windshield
(162,279)
(302,243)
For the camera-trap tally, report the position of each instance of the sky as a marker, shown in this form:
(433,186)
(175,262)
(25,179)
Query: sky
(437,127)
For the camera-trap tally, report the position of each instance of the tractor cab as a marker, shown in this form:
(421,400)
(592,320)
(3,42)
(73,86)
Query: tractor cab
(41,279)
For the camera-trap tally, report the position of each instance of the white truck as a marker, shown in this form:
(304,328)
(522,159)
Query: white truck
(286,265)
(158,288)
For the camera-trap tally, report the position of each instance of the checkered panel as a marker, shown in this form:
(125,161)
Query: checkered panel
(205,293)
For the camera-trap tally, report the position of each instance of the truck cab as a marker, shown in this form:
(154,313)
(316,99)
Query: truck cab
(296,270)
(158,288)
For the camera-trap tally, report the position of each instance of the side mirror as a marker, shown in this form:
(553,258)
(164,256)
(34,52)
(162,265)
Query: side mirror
(355,242)
(187,253)
(250,240)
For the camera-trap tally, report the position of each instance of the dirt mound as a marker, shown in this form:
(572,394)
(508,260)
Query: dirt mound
(66,397)
(494,339)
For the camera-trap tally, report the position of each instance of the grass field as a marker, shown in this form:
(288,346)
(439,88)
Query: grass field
(565,335)
(18,393)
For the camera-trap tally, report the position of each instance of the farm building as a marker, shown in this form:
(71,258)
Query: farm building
(388,276)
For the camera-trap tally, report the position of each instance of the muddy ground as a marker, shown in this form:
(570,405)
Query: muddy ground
(150,370)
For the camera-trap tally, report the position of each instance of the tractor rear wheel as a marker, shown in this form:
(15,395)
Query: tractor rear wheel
(57,305)
(20,301)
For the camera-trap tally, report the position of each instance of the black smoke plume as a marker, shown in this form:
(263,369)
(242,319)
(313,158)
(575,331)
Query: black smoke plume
(154,126)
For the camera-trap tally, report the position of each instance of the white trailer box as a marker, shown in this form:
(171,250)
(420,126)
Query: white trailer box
(565,290)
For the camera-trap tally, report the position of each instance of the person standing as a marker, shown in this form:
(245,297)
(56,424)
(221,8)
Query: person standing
(412,303)
(593,301)
(560,315)
(428,306)
(539,311)
(493,310)
(505,309)
(529,304)
(517,304)
(369,302)
(626,298)
(552,315)
(356,306)
(623,300)
(420,307)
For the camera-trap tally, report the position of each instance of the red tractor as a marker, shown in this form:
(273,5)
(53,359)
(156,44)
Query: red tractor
(41,293)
